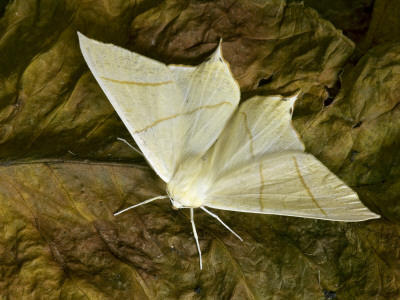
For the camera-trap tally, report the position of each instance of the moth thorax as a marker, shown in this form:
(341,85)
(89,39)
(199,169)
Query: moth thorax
(188,187)
(187,191)
(184,196)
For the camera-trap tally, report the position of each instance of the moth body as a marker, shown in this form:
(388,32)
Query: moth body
(188,187)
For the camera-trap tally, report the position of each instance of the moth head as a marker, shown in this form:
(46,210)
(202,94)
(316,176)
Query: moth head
(175,204)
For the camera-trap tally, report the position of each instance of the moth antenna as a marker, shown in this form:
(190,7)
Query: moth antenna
(141,203)
(138,151)
(195,236)
(215,216)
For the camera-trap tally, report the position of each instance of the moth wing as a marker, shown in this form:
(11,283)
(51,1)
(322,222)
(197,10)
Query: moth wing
(258,165)
(163,116)
(211,95)
(290,183)
(143,92)
(261,126)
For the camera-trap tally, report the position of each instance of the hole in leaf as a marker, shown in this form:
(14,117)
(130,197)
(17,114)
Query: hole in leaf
(332,92)
(328,101)
(265,81)
(353,155)
(329,294)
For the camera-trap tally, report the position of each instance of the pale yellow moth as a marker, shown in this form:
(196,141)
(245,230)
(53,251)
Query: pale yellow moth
(210,151)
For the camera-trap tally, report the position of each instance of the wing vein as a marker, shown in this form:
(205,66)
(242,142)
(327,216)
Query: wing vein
(136,82)
(182,114)
(303,182)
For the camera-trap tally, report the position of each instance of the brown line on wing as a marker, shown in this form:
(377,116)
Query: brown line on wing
(182,114)
(249,133)
(306,187)
(260,168)
(137,83)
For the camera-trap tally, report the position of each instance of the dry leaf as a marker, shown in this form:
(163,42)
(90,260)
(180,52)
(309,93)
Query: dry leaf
(58,236)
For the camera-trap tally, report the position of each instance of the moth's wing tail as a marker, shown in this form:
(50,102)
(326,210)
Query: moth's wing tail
(290,183)
(210,95)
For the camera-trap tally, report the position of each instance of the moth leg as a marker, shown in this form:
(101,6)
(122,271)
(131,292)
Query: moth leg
(125,141)
(226,226)
(195,235)
(141,203)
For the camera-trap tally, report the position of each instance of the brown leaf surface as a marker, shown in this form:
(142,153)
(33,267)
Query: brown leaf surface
(358,135)
(59,239)
(385,24)
(353,17)
(295,49)
(51,105)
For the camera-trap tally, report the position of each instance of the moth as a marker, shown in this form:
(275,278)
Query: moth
(212,152)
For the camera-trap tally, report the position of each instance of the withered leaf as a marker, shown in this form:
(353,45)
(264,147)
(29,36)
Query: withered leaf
(59,238)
